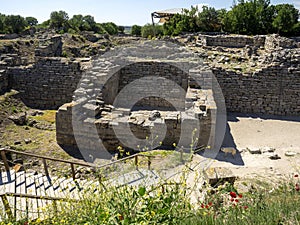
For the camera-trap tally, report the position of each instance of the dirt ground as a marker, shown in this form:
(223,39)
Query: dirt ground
(244,132)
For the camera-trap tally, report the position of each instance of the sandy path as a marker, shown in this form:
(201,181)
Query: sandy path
(281,133)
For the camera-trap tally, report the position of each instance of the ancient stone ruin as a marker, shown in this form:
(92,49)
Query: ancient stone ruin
(259,74)
(138,97)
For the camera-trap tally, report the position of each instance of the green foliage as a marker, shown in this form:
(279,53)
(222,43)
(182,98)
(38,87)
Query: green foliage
(31,21)
(121,29)
(14,24)
(110,28)
(286,18)
(136,30)
(169,203)
(59,20)
(209,19)
(247,17)
(149,31)
(258,17)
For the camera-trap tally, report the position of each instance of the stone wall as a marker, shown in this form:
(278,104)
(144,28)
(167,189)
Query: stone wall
(47,84)
(4,81)
(231,41)
(275,41)
(101,115)
(148,71)
(272,90)
(51,47)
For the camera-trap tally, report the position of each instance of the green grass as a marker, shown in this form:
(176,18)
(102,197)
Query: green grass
(170,204)
(48,116)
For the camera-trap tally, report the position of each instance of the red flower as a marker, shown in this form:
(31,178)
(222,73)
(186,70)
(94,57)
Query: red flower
(232,199)
(233,194)
(297,187)
(296,175)
(240,195)
(236,200)
(202,206)
(207,206)
(26,223)
(245,207)
(210,203)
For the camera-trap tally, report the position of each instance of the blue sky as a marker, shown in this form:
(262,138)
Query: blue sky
(121,12)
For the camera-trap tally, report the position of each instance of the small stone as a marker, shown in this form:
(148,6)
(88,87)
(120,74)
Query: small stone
(254,151)
(27,141)
(31,171)
(31,123)
(275,157)
(18,161)
(17,142)
(218,175)
(20,119)
(268,149)
(154,115)
(290,153)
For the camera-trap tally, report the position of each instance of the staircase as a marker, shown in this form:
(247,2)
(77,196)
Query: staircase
(25,195)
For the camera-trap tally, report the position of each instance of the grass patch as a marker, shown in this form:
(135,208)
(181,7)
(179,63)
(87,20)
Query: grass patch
(170,204)
(48,116)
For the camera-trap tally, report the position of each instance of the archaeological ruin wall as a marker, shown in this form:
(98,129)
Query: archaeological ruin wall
(116,122)
(273,90)
(51,81)
(47,84)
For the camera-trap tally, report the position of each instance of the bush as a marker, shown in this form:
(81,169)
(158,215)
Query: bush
(149,31)
(136,30)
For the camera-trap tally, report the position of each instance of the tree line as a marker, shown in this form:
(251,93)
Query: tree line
(246,17)
(60,21)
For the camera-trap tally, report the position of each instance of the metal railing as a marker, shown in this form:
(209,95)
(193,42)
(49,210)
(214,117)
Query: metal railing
(72,163)
(44,159)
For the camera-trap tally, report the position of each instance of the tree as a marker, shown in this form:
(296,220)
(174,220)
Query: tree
(89,23)
(14,24)
(136,30)
(286,18)
(31,21)
(149,31)
(121,29)
(59,20)
(77,23)
(2,16)
(110,28)
(208,19)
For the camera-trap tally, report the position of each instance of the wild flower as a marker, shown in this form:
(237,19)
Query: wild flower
(297,187)
(233,194)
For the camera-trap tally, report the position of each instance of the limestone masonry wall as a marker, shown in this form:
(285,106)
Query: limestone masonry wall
(4,81)
(47,84)
(237,41)
(147,71)
(273,90)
